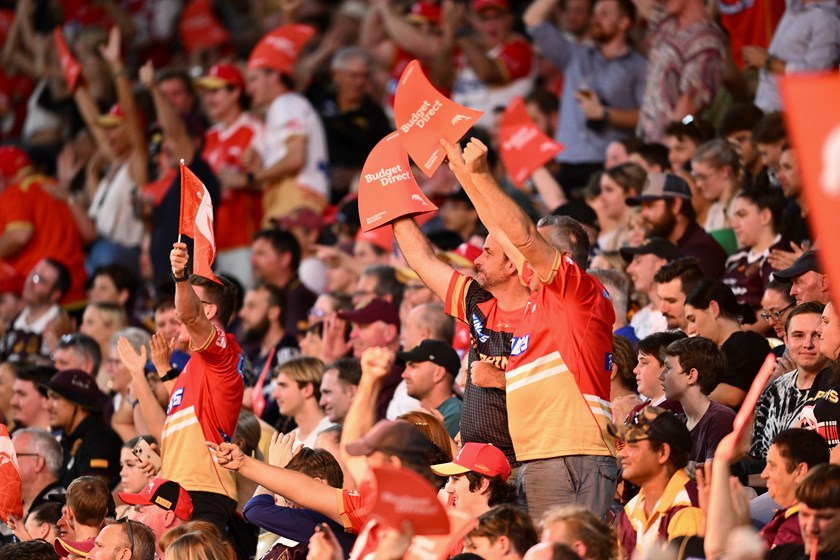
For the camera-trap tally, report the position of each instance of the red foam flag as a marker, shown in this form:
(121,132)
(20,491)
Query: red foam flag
(70,67)
(197,222)
(199,28)
(387,189)
(279,48)
(813,120)
(424,116)
(11,501)
(397,495)
(524,147)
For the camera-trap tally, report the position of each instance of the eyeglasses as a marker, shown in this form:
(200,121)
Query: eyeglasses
(775,315)
(129,531)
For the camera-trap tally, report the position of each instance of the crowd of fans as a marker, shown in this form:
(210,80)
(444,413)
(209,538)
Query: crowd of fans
(563,362)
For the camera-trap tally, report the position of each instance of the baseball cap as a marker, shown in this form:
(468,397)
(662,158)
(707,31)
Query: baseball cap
(806,262)
(435,351)
(424,12)
(222,75)
(12,160)
(177,361)
(480,5)
(654,423)
(10,281)
(659,186)
(658,246)
(163,493)
(399,438)
(77,548)
(463,256)
(113,117)
(482,458)
(377,310)
(78,387)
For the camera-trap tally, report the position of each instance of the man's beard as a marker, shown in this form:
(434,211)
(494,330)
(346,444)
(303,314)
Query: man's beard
(664,228)
(258,331)
(599,35)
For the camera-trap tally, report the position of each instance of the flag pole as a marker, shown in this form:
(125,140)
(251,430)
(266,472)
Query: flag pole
(181,217)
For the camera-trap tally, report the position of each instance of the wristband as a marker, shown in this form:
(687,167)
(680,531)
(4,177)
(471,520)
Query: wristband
(171,375)
(183,278)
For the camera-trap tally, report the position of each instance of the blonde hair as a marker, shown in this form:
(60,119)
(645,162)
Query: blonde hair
(583,525)
(304,370)
(195,527)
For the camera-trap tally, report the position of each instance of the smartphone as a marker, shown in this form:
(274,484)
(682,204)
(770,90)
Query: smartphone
(144,452)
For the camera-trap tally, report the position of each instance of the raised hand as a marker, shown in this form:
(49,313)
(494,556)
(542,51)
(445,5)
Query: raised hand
(178,259)
(282,449)
(475,156)
(161,351)
(133,361)
(377,362)
(110,51)
(324,545)
(146,74)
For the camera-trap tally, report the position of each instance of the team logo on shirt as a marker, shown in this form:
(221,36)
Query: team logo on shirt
(479,329)
(519,344)
(175,400)
(608,361)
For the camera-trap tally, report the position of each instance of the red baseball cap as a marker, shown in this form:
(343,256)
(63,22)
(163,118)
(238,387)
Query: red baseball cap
(481,5)
(77,548)
(163,493)
(424,12)
(464,256)
(113,117)
(222,75)
(10,281)
(482,458)
(12,160)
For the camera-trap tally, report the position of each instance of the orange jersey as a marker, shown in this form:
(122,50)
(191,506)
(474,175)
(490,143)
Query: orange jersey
(54,232)
(558,373)
(204,406)
(240,210)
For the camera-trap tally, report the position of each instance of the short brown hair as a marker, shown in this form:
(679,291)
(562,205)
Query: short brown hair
(701,354)
(88,497)
(223,295)
(820,488)
(318,463)
(506,521)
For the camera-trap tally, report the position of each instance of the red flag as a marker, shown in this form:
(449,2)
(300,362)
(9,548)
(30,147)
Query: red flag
(397,495)
(70,67)
(424,116)
(524,148)
(279,48)
(387,189)
(197,222)
(11,501)
(813,119)
(199,27)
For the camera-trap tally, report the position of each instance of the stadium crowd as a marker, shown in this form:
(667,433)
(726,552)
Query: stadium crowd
(562,362)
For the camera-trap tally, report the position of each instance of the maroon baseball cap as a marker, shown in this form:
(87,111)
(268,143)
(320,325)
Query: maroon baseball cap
(376,310)
(163,493)
(12,160)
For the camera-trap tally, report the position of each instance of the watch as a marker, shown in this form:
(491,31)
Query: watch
(183,278)
(171,375)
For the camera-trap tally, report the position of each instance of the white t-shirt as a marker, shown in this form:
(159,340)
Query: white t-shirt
(292,115)
(112,210)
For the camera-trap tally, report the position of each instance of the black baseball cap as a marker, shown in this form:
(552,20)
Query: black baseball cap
(78,387)
(435,351)
(659,186)
(658,246)
(806,262)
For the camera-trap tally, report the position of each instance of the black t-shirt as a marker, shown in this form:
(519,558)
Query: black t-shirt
(745,352)
(695,242)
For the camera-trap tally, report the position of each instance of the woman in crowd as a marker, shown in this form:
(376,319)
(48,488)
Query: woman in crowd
(132,477)
(616,184)
(717,174)
(119,380)
(713,312)
(756,217)
(623,395)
